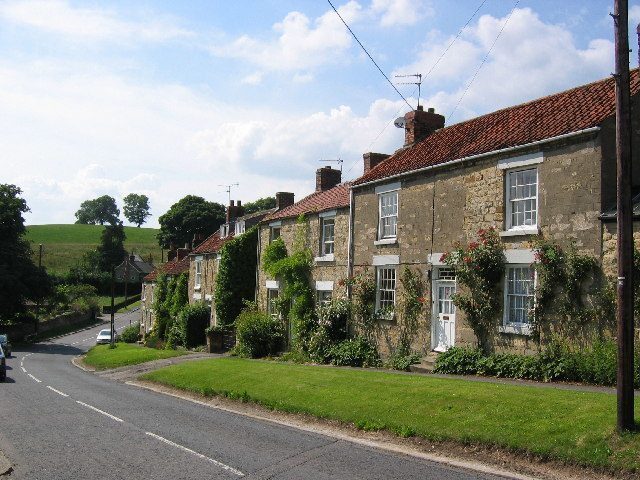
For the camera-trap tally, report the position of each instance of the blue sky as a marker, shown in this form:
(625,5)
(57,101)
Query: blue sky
(173,98)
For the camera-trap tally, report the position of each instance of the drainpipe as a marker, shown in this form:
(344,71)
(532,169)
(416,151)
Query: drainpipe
(350,251)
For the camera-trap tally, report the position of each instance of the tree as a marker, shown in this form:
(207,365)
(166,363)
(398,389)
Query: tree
(100,210)
(20,278)
(111,249)
(136,208)
(190,215)
(265,203)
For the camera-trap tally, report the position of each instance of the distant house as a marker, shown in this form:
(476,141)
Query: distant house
(133,269)
(205,258)
(178,264)
(326,214)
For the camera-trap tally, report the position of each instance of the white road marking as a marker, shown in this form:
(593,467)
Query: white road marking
(99,411)
(34,378)
(57,391)
(199,455)
(23,369)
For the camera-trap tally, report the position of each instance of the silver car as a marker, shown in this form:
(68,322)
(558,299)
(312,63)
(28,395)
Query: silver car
(105,337)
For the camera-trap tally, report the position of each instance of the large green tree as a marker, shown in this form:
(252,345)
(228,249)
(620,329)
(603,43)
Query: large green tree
(136,208)
(20,278)
(265,203)
(100,210)
(190,215)
(111,250)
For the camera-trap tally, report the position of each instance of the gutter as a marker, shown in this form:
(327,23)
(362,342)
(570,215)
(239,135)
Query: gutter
(350,251)
(478,156)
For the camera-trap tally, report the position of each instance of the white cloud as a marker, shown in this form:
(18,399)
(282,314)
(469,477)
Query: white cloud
(401,12)
(634,16)
(301,43)
(302,78)
(252,79)
(531,59)
(59,17)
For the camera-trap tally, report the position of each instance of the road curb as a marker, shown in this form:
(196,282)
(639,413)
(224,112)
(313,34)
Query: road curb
(329,432)
(5,465)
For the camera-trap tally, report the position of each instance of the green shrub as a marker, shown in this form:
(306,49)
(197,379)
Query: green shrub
(399,361)
(258,334)
(356,352)
(459,361)
(330,328)
(131,334)
(189,328)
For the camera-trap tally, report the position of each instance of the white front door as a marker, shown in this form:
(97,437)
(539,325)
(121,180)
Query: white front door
(445,315)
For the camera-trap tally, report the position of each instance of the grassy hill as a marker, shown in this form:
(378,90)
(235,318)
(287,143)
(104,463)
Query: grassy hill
(65,244)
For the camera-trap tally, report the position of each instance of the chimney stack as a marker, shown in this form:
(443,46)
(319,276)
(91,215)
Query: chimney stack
(372,159)
(182,252)
(284,199)
(638,32)
(420,124)
(234,211)
(326,178)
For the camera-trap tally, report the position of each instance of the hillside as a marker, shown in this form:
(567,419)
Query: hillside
(65,244)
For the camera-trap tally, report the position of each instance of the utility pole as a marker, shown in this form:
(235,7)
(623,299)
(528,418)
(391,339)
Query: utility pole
(113,286)
(624,299)
(36,326)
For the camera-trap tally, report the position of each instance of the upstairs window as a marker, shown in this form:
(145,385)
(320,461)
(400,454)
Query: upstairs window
(388,215)
(324,297)
(326,242)
(197,282)
(272,297)
(239,228)
(274,233)
(522,198)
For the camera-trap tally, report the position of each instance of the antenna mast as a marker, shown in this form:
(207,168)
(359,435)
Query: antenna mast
(418,82)
(338,160)
(228,189)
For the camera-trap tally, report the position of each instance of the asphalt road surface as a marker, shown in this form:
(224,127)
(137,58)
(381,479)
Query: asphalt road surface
(59,422)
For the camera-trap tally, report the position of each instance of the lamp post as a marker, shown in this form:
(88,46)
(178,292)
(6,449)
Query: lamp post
(113,287)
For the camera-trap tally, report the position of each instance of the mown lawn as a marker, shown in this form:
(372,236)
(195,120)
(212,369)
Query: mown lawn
(568,425)
(64,245)
(102,357)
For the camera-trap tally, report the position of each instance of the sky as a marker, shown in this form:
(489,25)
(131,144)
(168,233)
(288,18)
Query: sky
(168,98)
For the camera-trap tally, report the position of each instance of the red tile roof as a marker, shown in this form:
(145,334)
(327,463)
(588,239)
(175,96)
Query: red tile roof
(173,267)
(336,197)
(212,244)
(565,112)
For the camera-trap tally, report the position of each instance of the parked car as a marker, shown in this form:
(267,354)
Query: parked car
(105,336)
(6,346)
(3,366)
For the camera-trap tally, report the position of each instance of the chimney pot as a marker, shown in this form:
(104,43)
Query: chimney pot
(284,199)
(239,203)
(231,203)
(327,178)
(431,110)
(420,124)
(420,108)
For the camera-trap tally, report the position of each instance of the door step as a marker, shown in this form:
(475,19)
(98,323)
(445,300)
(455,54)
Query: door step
(427,364)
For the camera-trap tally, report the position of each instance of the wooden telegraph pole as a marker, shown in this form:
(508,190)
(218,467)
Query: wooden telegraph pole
(625,420)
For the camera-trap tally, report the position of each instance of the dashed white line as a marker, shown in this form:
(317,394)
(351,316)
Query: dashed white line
(99,411)
(57,391)
(199,455)
(23,369)
(34,378)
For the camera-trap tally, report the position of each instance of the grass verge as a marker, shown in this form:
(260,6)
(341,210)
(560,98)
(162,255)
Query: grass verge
(571,426)
(102,357)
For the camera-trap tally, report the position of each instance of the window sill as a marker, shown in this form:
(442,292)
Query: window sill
(197,288)
(516,232)
(515,329)
(197,296)
(325,258)
(386,241)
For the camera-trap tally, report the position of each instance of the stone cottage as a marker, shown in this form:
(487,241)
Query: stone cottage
(326,219)
(205,258)
(178,264)
(543,168)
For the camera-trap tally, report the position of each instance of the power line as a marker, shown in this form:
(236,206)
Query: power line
(484,59)
(370,57)
(426,75)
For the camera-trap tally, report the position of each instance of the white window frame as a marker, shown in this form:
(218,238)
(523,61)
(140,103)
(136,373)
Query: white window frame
(324,242)
(272,231)
(320,294)
(393,194)
(379,279)
(507,325)
(509,202)
(197,277)
(270,307)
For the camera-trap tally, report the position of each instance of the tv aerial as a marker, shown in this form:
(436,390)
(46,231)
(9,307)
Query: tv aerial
(228,189)
(338,160)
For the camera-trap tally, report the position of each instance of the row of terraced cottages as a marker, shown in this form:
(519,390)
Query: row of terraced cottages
(543,168)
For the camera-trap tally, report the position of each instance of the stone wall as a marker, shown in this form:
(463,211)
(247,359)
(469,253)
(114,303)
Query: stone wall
(70,319)
(447,205)
(323,271)
(147,317)
(209,273)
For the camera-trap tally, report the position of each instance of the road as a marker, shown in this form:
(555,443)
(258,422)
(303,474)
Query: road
(59,422)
